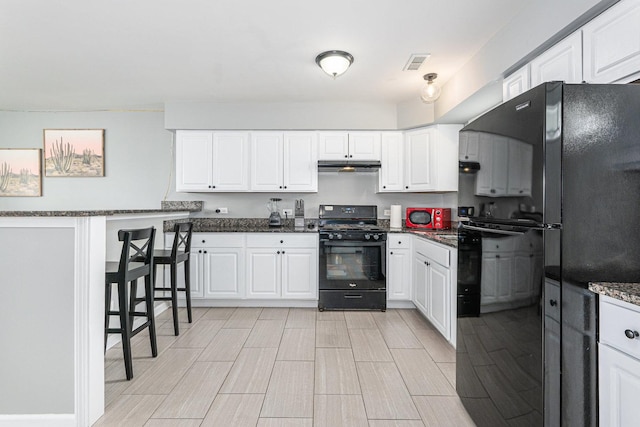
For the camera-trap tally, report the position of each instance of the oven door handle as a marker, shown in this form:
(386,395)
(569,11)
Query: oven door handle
(350,243)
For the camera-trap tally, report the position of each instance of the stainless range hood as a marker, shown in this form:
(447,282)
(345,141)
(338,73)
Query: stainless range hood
(348,165)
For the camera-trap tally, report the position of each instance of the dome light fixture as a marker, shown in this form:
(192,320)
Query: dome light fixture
(334,62)
(431,91)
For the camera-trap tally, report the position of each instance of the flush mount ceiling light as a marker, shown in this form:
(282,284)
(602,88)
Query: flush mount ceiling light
(334,62)
(431,91)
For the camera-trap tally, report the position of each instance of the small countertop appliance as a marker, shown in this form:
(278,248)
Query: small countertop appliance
(275,220)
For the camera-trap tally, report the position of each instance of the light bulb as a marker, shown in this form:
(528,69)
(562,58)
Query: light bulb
(431,91)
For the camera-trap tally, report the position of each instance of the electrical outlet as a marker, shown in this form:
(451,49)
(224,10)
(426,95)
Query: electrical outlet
(387,212)
(288,212)
(222,210)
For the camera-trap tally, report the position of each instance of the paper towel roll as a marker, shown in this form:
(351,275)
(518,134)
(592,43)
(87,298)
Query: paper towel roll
(396,216)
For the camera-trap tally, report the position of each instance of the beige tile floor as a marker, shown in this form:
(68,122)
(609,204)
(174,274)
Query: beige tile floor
(287,367)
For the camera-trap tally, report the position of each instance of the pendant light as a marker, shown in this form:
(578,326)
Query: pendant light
(334,62)
(431,91)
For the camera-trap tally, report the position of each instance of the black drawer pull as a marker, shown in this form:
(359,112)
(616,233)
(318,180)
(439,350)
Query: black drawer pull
(353,296)
(553,302)
(631,334)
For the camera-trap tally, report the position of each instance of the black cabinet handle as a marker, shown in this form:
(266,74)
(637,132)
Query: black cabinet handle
(280,186)
(497,256)
(406,186)
(350,156)
(204,252)
(200,251)
(493,191)
(631,334)
(345,156)
(466,157)
(213,186)
(278,252)
(282,252)
(384,186)
(390,253)
(553,302)
(281,241)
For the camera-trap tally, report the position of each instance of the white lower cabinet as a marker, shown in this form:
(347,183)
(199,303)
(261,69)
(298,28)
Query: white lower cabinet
(282,266)
(217,265)
(432,284)
(399,267)
(253,266)
(619,363)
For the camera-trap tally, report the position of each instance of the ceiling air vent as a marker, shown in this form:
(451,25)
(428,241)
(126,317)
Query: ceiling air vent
(415,61)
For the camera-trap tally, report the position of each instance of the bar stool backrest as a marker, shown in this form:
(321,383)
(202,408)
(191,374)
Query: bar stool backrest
(182,239)
(137,246)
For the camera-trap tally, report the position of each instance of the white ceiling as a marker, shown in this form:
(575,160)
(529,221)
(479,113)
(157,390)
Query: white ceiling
(104,54)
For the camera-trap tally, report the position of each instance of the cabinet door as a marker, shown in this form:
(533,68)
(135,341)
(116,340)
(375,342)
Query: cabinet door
(562,62)
(364,145)
(612,44)
(420,278)
(300,273)
(333,145)
(399,274)
(230,161)
(390,177)
(522,275)
(519,168)
(493,176)
(300,161)
(619,387)
(438,291)
(485,158)
(223,272)
(196,277)
(266,161)
(419,165)
(263,272)
(193,160)
(516,83)
(445,157)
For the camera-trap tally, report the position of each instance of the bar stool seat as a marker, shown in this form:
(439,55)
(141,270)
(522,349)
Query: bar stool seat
(136,261)
(180,253)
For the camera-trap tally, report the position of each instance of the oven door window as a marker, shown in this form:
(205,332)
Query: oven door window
(352,263)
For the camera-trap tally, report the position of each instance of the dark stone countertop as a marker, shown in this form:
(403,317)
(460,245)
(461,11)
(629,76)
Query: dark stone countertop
(628,292)
(261,225)
(166,207)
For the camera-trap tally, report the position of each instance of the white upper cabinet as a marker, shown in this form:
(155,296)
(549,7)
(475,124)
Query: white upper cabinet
(193,160)
(284,161)
(300,161)
(612,44)
(392,162)
(212,161)
(420,164)
(561,62)
(516,83)
(349,145)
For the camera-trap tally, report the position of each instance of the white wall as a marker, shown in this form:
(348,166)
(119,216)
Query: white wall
(138,160)
(139,171)
(281,115)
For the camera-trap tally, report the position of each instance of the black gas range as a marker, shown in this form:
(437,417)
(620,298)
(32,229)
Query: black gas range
(352,257)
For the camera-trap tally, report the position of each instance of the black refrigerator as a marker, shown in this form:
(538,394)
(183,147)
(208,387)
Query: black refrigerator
(554,179)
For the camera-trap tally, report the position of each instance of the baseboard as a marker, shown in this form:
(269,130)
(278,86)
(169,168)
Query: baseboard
(38,420)
(251,303)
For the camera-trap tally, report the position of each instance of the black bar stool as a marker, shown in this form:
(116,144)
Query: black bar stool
(136,261)
(180,252)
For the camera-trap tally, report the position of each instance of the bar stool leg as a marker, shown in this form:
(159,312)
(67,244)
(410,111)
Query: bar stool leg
(187,287)
(107,307)
(151,318)
(125,328)
(174,298)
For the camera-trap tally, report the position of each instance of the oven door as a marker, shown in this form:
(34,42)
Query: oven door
(352,265)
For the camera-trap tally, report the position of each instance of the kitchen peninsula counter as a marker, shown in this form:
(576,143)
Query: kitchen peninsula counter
(627,292)
(53,265)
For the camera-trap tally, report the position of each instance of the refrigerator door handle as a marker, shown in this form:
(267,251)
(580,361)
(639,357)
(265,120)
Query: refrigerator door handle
(492,230)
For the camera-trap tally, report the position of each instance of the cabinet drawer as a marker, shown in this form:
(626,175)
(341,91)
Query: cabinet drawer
(433,251)
(617,319)
(398,241)
(217,240)
(274,240)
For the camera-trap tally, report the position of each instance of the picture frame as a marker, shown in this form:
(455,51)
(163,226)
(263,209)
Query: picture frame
(20,172)
(74,152)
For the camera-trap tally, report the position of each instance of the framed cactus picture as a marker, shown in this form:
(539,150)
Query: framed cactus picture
(74,152)
(20,172)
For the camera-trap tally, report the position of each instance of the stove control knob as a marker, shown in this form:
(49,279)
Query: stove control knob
(367,237)
(376,236)
(330,236)
(339,236)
